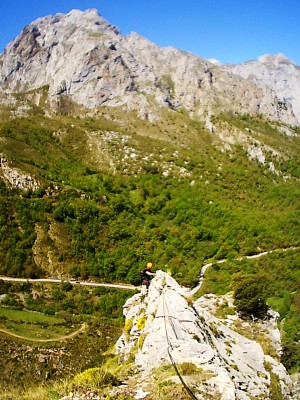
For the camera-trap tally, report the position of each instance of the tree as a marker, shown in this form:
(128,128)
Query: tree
(250,295)
(291,355)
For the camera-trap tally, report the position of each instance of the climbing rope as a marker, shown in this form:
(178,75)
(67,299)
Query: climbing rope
(170,346)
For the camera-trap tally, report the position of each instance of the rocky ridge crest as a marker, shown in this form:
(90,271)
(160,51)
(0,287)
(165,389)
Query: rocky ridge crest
(276,72)
(164,327)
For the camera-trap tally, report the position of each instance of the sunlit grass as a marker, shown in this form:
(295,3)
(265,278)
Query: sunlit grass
(32,325)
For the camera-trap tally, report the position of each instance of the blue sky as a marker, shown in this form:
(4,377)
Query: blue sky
(230,31)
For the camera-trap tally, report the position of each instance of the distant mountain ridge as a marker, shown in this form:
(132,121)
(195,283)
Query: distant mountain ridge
(81,55)
(277,72)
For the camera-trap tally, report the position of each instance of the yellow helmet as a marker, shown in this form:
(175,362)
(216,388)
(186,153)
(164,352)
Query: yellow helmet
(149,265)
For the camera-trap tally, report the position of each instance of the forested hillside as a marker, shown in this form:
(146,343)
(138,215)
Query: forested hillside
(114,192)
(176,202)
(114,153)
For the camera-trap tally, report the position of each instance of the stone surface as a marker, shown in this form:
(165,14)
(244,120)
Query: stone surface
(278,73)
(82,55)
(16,178)
(163,325)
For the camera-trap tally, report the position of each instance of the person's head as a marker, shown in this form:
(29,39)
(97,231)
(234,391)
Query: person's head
(149,265)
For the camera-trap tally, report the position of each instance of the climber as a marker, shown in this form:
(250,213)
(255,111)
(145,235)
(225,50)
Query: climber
(146,275)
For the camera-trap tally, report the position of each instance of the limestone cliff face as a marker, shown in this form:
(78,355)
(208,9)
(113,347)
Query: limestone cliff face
(276,72)
(164,327)
(82,55)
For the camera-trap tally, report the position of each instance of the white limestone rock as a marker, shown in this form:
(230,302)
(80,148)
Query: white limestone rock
(81,55)
(16,178)
(164,325)
(276,72)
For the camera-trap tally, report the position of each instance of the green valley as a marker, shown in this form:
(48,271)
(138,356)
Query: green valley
(115,192)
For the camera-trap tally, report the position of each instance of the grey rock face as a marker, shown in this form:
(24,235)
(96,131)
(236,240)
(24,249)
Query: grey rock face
(162,327)
(82,55)
(276,72)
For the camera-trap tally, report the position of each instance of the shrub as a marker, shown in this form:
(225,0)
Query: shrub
(250,295)
(95,378)
(141,323)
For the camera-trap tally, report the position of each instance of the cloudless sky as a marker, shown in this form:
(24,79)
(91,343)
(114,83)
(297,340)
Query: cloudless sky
(231,31)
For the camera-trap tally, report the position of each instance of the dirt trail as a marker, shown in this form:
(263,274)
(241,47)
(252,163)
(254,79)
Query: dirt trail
(58,339)
(206,266)
(131,287)
(54,280)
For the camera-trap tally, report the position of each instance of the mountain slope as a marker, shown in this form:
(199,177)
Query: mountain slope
(115,152)
(191,188)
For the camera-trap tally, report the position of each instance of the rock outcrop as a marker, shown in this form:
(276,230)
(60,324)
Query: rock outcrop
(16,178)
(276,72)
(164,327)
(85,57)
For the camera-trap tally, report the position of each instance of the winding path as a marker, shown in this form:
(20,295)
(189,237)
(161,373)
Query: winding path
(206,266)
(58,339)
(118,286)
(53,280)
(131,287)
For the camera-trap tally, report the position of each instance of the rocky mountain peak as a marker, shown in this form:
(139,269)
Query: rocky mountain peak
(84,57)
(276,72)
(46,32)
(274,59)
(164,327)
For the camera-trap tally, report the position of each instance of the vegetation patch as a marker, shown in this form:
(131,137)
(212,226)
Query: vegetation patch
(32,325)
(95,378)
(127,327)
(65,308)
(141,322)
(115,192)
(224,310)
